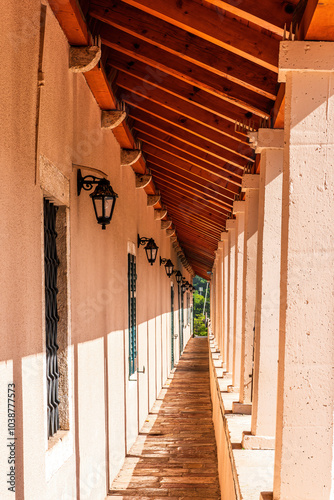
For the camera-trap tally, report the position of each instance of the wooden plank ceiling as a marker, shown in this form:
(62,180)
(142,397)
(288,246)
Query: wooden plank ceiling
(188,70)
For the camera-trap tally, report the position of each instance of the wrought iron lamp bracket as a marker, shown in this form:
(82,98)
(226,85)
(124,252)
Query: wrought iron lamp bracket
(86,183)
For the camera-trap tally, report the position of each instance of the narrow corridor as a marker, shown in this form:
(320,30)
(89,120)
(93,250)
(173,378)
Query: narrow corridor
(174,456)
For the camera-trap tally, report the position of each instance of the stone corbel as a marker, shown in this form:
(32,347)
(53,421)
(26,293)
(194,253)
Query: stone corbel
(129,156)
(153,199)
(166,224)
(170,232)
(84,58)
(160,214)
(142,180)
(266,138)
(112,118)
(250,181)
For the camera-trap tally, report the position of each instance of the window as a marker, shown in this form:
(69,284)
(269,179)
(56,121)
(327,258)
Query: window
(51,263)
(132,278)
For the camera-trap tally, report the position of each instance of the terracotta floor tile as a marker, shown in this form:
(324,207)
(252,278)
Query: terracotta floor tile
(174,456)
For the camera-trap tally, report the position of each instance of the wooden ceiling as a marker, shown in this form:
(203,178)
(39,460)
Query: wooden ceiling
(188,70)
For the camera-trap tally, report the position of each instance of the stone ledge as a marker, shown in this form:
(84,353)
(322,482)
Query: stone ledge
(251,442)
(242,408)
(252,470)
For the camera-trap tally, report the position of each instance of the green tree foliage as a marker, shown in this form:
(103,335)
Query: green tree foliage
(201,286)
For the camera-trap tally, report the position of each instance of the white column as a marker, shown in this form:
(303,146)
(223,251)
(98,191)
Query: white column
(224,259)
(250,185)
(230,227)
(269,143)
(239,211)
(220,297)
(304,432)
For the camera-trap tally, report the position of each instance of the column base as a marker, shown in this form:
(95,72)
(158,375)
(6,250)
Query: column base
(231,388)
(266,495)
(243,408)
(251,442)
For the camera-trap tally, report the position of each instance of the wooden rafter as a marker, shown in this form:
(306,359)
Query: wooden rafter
(270,15)
(228,104)
(177,147)
(222,31)
(163,152)
(179,132)
(209,119)
(185,45)
(184,70)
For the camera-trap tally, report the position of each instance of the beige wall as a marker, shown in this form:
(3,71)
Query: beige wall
(104,411)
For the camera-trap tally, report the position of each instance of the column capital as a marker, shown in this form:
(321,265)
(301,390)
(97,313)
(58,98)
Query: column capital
(230,224)
(223,237)
(220,246)
(250,181)
(239,207)
(305,56)
(266,138)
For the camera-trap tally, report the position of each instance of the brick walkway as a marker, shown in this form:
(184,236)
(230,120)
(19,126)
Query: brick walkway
(174,456)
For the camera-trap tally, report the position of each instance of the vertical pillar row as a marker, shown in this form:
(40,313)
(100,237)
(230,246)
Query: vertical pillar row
(250,185)
(304,432)
(268,143)
(239,212)
(230,227)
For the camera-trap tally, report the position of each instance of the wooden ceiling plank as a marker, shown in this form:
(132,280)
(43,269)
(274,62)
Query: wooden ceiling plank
(157,168)
(161,180)
(235,157)
(173,65)
(270,15)
(190,153)
(220,30)
(180,133)
(224,105)
(188,164)
(196,223)
(199,235)
(196,216)
(185,45)
(197,211)
(189,196)
(186,171)
(210,120)
(189,203)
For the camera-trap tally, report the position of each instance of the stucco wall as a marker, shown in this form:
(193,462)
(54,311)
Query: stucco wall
(105,414)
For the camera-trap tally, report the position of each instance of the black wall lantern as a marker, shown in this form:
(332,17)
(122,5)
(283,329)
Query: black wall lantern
(178,277)
(151,248)
(169,266)
(184,287)
(104,197)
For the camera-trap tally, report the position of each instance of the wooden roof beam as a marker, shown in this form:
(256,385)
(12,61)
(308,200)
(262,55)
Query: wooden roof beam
(188,163)
(187,152)
(189,204)
(237,156)
(187,46)
(163,180)
(158,169)
(135,87)
(184,70)
(183,89)
(220,30)
(181,133)
(270,15)
(185,170)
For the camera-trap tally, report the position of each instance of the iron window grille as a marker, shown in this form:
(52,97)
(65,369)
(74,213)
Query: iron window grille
(51,264)
(132,280)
